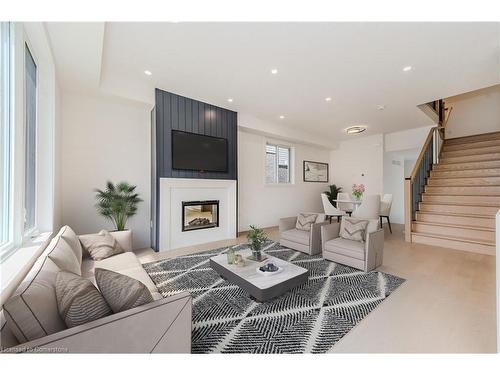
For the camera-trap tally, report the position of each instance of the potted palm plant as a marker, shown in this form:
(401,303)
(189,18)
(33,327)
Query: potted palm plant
(118,203)
(256,237)
(332,194)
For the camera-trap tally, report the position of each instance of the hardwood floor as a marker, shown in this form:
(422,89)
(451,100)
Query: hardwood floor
(447,304)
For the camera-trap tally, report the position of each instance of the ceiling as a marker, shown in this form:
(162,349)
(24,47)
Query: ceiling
(358,65)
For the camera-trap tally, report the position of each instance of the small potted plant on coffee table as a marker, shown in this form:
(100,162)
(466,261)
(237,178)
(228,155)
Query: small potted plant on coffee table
(256,237)
(117,203)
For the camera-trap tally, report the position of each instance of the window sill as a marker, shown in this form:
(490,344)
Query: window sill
(18,264)
(283,184)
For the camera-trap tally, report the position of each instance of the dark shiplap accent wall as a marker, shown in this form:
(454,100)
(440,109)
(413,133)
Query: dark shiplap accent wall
(175,112)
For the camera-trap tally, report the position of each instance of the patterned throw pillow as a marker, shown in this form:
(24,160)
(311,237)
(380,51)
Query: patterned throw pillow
(304,221)
(121,292)
(353,229)
(101,245)
(78,300)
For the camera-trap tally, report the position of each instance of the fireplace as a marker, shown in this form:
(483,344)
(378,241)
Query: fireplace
(200,215)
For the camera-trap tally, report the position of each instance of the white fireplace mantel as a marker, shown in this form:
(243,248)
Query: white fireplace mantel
(173,191)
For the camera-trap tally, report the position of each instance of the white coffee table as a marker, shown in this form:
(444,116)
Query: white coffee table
(259,286)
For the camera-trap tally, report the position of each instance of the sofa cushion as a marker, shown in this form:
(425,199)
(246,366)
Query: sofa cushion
(72,239)
(78,300)
(101,245)
(120,291)
(61,253)
(295,235)
(126,264)
(304,221)
(353,249)
(353,229)
(31,312)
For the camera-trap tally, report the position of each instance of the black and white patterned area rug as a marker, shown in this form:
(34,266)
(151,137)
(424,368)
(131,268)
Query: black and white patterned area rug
(308,319)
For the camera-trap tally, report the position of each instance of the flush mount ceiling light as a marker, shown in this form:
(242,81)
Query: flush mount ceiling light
(147,72)
(230,100)
(407,68)
(282,117)
(328,99)
(381,107)
(274,71)
(355,129)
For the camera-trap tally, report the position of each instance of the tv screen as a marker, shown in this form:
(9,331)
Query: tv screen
(198,152)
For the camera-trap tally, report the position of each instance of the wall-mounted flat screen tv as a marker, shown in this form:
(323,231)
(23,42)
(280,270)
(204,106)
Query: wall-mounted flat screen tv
(198,152)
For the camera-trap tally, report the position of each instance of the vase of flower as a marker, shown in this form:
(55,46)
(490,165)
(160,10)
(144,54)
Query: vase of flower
(357,191)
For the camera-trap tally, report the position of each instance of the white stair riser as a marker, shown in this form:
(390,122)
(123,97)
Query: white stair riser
(463,181)
(464,190)
(453,244)
(472,234)
(455,209)
(457,220)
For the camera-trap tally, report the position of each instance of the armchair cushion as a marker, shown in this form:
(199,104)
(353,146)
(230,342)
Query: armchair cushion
(353,229)
(353,249)
(298,236)
(304,221)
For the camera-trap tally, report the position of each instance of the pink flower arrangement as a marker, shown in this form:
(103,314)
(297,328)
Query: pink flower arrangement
(358,190)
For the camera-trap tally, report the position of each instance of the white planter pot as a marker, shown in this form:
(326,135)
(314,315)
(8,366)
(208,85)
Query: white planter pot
(124,238)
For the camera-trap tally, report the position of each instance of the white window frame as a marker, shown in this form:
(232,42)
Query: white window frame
(28,234)
(291,162)
(8,246)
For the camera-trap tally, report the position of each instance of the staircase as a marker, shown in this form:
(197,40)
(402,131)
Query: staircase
(461,196)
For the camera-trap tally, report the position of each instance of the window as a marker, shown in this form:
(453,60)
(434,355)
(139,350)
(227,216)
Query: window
(30,79)
(5,136)
(278,164)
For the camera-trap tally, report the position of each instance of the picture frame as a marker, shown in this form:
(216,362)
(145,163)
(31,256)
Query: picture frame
(314,171)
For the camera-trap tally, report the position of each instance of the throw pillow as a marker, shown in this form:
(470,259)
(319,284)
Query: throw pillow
(120,291)
(101,245)
(353,229)
(304,221)
(78,300)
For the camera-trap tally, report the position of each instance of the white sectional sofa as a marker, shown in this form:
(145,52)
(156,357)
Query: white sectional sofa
(30,319)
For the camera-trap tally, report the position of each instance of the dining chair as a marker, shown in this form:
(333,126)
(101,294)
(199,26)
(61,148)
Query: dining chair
(348,208)
(385,209)
(330,209)
(369,208)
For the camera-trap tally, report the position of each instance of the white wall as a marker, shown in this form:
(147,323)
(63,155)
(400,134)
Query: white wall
(474,113)
(263,205)
(359,161)
(103,138)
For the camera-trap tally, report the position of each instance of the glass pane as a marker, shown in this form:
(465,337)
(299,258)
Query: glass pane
(283,165)
(31,125)
(5,134)
(271,173)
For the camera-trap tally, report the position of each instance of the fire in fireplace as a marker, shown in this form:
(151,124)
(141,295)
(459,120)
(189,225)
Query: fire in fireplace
(200,215)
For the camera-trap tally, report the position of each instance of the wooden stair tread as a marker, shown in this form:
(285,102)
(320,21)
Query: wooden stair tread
(459,204)
(453,238)
(472,216)
(459,226)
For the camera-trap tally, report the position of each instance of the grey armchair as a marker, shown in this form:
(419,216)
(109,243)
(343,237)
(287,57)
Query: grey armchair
(308,242)
(363,256)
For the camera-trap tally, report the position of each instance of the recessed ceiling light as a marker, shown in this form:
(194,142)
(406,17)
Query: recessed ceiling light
(328,99)
(355,129)
(282,117)
(230,100)
(407,68)
(147,72)
(274,71)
